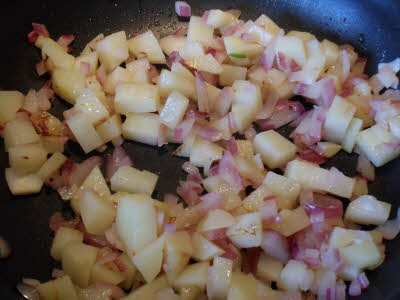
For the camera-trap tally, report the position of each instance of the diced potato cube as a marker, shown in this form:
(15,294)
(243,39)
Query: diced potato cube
(362,255)
(176,256)
(138,69)
(84,132)
(149,290)
(338,120)
(68,83)
(203,249)
(216,219)
(19,132)
(77,261)
(51,166)
(360,187)
(368,210)
(268,24)
(286,189)
(186,148)
(25,159)
(110,129)
(171,43)
(247,232)
(341,237)
(218,18)
(304,36)
(64,237)
(97,214)
(58,289)
(119,75)
(245,148)
(291,222)
(253,201)
(131,180)
(217,185)
(247,93)
(296,276)
(193,275)
(150,258)
(376,144)
(269,268)
(330,51)
(142,128)
(10,103)
(148,44)
(91,59)
(274,149)
(136,222)
(170,81)
(136,98)
(174,109)
(206,63)
(88,104)
(191,50)
(219,278)
(101,273)
(292,47)
(327,149)
(182,71)
(242,116)
(318,179)
(235,45)
(245,286)
(23,185)
(230,74)
(113,50)
(52,144)
(58,57)
(203,151)
(199,32)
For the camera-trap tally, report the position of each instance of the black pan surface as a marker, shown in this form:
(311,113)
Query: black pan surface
(372,26)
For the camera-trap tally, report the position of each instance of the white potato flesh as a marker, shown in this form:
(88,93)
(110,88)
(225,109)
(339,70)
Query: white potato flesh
(113,50)
(149,290)
(193,275)
(304,36)
(361,255)
(338,120)
(110,129)
(142,128)
(52,144)
(84,132)
(206,63)
(247,232)
(375,142)
(148,44)
(328,149)
(169,81)
(136,222)
(216,219)
(331,52)
(61,288)
(64,236)
(352,132)
(253,201)
(51,166)
(119,75)
(269,268)
(199,32)
(296,276)
(394,124)
(91,59)
(101,273)
(25,159)
(235,45)
(10,103)
(97,214)
(139,70)
(292,221)
(68,84)
(247,93)
(174,109)
(246,286)
(136,98)
(367,210)
(275,150)
(19,132)
(230,74)
(179,241)
(204,249)
(286,189)
(131,180)
(149,259)
(217,185)
(204,151)
(172,43)
(182,71)
(219,278)
(57,55)
(312,176)
(23,184)
(191,50)
(257,33)
(88,104)
(292,47)
(267,24)
(218,18)
(77,261)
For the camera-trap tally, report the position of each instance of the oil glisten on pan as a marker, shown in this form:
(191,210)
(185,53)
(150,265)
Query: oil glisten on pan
(198,150)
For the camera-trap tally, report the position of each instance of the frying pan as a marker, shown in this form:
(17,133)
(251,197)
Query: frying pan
(372,26)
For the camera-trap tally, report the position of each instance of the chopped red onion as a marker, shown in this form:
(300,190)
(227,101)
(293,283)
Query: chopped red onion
(223,103)
(216,234)
(182,9)
(365,168)
(268,210)
(228,171)
(206,131)
(276,245)
(312,156)
(65,40)
(118,159)
(250,133)
(232,146)
(210,201)
(355,288)
(38,29)
(202,94)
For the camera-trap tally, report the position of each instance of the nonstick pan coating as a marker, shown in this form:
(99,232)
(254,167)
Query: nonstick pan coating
(372,26)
